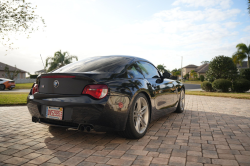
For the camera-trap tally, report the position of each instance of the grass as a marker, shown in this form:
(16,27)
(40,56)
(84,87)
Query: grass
(13,99)
(24,86)
(220,94)
(192,82)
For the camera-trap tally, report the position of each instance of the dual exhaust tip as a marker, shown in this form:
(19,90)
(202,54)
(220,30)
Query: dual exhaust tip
(81,127)
(87,128)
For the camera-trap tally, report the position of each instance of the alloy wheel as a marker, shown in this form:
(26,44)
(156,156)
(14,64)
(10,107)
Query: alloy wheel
(141,115)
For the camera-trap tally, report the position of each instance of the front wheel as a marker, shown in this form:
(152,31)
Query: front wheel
(181,104)
(2,87)
(138,118)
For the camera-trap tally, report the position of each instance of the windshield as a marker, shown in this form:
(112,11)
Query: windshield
(100,64)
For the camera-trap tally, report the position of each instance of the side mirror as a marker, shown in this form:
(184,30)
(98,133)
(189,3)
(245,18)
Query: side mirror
(166,74)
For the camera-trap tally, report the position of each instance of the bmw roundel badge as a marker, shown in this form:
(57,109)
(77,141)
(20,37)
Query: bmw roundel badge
(56,83)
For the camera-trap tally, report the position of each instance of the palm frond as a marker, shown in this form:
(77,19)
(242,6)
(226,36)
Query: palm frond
(242,47)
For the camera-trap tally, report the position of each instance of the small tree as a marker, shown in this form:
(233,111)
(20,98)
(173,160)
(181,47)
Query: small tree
(10,74)
(193,74)
(161,68)
(221,67)
(176,72)
(204,62)
(17,16)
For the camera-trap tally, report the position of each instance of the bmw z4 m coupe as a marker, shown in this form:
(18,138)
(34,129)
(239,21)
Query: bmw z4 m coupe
(119,93)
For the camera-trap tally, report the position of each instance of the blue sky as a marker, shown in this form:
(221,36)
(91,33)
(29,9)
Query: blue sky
(160,31)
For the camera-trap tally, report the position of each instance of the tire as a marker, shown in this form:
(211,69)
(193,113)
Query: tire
(138,119)
(2,87)
(181,104)
(10,88)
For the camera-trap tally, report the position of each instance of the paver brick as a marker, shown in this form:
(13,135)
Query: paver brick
(120,162)
(210,132)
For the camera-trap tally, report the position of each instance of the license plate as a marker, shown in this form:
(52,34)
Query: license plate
(12,86)
(54,112)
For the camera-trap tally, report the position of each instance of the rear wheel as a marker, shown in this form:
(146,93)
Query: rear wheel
(138,118)
(181,104)
(10,88)
(2,87)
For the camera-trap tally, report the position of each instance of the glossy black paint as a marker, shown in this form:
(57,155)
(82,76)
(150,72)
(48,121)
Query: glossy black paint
(104,114)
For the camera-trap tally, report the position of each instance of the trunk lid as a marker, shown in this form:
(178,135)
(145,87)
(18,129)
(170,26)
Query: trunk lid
(65,83)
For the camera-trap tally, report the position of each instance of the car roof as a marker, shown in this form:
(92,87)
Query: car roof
(129,56)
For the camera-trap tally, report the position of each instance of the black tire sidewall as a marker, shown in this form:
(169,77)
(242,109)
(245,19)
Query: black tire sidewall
(2,87)
(131,118)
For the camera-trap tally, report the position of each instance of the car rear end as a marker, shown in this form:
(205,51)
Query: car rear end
(75,100)
(10,84)
(7,83)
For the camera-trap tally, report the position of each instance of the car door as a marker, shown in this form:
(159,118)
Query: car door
(160,89)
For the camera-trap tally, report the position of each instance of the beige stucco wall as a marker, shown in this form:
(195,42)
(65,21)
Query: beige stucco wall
(199,74)
(187,70)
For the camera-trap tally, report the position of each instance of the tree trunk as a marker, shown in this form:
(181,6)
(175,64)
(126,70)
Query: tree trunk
(248,62)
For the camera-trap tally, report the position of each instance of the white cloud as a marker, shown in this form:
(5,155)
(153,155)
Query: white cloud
(204,3)
(247,29)
(211,14)
(196,35)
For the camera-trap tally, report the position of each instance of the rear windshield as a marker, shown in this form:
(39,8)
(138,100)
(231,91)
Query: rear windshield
(100,64)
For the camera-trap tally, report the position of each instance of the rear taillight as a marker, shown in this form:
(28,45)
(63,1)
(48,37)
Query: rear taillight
(97,91)
(35,89)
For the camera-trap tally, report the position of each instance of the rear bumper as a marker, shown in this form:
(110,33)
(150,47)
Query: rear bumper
(102,114)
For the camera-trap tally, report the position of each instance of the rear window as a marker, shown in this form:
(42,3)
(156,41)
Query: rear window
(101,64)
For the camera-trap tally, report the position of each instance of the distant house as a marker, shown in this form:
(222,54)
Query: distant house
(200,70)
(40,72)
(244,65)
(21,75)
(188,68)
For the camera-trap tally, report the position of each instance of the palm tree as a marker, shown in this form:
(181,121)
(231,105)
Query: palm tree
(58,60)
(249,6)
(242,53)
(193,74)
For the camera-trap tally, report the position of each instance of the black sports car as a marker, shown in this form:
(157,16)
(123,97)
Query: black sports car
(121,93)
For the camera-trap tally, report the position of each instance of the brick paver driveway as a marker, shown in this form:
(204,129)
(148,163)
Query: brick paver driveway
(212,131)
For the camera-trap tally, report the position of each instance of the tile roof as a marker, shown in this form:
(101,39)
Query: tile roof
(202,68)
(11,68)
(190,66)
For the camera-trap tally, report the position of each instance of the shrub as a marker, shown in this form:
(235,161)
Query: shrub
(246,74)
(241,85)
(202,78)
(222,85)
(207,86)
(33,76)
(221,67)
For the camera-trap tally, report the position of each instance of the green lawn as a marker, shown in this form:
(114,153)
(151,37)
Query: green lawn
(192,82)
(13,98)
(220,94)
(24,86)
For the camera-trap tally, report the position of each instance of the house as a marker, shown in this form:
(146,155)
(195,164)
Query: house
(200,70)
(21,75)
(188,68)
(40,72)
(244,65)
